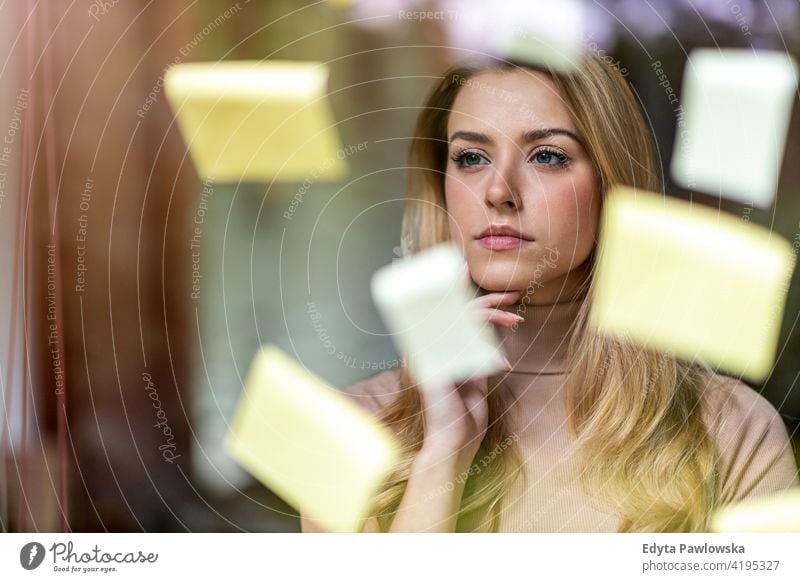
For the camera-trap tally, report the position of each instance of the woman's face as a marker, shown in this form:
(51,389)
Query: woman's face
(522,195)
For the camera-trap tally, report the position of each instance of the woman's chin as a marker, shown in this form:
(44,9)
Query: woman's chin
(499,282)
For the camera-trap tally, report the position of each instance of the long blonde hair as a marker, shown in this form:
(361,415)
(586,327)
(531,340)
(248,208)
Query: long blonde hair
(636,414)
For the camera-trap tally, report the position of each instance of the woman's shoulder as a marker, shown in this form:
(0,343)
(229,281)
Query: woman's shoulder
(375,392)
(731,396)
(752,440)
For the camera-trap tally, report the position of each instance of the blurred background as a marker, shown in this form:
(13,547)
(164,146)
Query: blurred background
(127,336)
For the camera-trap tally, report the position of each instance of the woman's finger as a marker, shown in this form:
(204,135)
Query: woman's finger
(500,317)
(478,385)
(441,402)
(498,298)
(473,393)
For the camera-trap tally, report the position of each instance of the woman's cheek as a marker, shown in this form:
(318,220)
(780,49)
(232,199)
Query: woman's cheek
(588,213)
(557,214)
(456,231)
(459,211)
(576,225)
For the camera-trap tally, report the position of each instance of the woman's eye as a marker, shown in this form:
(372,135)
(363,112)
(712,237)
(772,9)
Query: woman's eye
(550,158)
(468,159)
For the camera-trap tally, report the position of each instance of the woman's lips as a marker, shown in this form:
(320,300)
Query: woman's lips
(502,242)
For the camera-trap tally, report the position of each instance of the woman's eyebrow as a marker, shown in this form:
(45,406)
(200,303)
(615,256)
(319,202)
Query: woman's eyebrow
(537,134)
(471,136)
(527,137)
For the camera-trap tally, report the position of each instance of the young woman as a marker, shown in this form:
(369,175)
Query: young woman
(582,433)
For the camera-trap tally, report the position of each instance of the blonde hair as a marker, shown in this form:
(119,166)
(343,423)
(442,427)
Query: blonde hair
(636,414)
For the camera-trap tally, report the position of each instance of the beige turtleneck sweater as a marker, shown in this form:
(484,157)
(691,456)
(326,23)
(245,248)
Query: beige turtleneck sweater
(752,439)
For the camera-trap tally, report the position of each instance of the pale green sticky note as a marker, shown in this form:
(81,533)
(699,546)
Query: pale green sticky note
(777,513)
(736,105)
(257,121)
(691,280)
(425,301)
(540,32)
(311,445)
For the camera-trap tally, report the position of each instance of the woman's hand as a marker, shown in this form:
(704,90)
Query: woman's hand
(455,420)
(488,304)
(456,415)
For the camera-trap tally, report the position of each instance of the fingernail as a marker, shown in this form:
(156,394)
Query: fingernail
(517,317)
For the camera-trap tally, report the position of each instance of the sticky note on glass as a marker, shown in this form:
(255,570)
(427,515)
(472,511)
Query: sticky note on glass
(308,443)
(736,108)
(425,303)
(778,513)
(540,32)
(257,121)
(687,279)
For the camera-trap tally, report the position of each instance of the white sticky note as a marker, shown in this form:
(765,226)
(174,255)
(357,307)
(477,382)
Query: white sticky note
(425,302)
(736,105)
(691,280)
(777,513)
(257,121)
(539,32)
(309,443)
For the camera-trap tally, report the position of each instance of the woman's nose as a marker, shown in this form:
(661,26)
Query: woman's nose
(502,191)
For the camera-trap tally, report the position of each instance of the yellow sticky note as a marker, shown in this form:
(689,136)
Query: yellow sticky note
(688,279)
(308,443)
(736,105)
(778,513)
(257,121)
